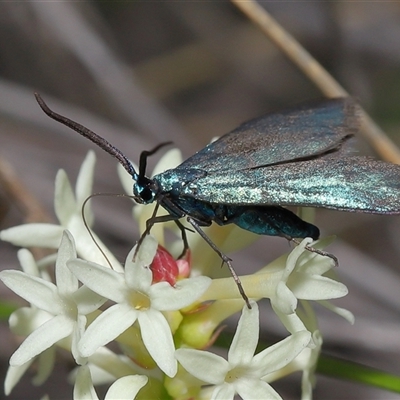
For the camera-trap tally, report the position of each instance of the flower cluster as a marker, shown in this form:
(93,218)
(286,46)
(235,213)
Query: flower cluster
(163,313)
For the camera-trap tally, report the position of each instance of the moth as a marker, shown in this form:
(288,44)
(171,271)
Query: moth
(295,157)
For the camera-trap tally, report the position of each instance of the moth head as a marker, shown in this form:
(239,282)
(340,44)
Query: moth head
(145,190)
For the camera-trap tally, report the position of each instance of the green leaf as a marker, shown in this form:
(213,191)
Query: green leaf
(351,371)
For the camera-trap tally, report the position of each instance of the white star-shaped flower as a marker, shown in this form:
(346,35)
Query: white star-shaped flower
(137,299)
(58,310)
(303,279)
(243,372)
(68,209)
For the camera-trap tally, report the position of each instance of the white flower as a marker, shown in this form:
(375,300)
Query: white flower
(244,372)
(26,319)
(58,311)
(68,208)
(302,279)
(137,299)
(300,275)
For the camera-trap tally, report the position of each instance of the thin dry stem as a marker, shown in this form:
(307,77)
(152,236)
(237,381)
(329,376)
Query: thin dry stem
(317,74)
(23,199)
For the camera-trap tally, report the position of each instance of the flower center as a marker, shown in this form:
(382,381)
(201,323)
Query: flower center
(139,300)
(235,373)
(70,308)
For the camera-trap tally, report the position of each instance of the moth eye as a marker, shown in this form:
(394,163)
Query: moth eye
(146,194)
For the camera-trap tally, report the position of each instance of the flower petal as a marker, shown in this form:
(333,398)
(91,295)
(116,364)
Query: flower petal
(126,388)
(316,265)
(293,258)
(33,235)
(164,297)
(114,364)
(13,376)
(84,181)
(346,314)
(284,300)
(126,179)
(249,389)
(314,287)
(245,341)
(36,291)
(102,280)
(76,337)
(157,338)
(106,327)
(42,338)
(27,262)
(83,388)
(26,319)
(147,251)
(65,280)
(282,353)
(64,200)
(46,365)
(223,392)
(203,365)
(292,322)
(87,300)
(138,275)
(87,246)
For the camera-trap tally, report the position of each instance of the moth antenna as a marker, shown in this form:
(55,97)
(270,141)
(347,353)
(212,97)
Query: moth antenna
(87,133)
(90,231)
(147,153)
(88,227)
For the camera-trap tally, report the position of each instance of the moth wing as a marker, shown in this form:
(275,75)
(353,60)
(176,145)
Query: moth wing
(296,133)
(348,184)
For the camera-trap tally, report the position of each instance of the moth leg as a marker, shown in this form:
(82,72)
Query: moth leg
(313,249)
(183,230)
(224,258)
(317,251)
(154,219)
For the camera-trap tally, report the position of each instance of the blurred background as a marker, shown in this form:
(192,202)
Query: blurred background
(139,73)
